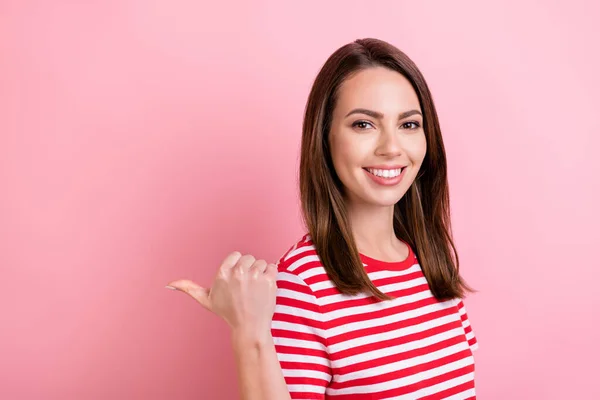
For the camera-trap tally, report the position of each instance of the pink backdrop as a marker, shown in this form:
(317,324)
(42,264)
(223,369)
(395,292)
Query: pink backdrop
(141,142)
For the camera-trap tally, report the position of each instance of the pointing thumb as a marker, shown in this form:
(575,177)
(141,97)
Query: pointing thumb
(196,291)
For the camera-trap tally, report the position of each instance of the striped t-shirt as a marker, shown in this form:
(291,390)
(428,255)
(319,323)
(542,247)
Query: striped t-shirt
(335,346)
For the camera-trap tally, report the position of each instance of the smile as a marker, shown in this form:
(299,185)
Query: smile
(386,177)
(385,173)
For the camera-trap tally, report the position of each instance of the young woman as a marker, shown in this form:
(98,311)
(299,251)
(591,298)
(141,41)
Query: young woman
(368,303)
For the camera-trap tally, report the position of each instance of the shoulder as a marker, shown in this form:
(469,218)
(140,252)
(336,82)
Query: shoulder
(301,263)
(300,253)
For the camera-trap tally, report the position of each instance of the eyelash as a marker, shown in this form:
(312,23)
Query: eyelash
(417,125)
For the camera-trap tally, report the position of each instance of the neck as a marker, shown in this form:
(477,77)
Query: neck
(373,229)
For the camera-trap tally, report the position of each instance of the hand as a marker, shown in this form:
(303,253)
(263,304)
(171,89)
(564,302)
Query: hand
(243,294)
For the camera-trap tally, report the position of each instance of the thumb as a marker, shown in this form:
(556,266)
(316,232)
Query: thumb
(194,290)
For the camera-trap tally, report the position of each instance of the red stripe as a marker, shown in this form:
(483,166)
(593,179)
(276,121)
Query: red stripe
(451,391)
(294,380)
(295,303)
(386,344)
(293,286)
(401,373)
(390,326)
(409,388)
(304,366)
(305,396)
(301,351)
(369,300)
(386,312)
(286,334)
(296,319)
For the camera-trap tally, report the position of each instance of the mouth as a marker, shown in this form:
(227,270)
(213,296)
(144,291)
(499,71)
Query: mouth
(386,173)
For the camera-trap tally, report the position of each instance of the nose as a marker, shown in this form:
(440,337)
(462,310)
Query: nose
(389,143)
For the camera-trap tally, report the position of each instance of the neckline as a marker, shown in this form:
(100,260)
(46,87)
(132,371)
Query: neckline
(376,264)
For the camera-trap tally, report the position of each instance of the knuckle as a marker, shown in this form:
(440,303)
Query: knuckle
(248,258)
(223,270)
(245,262)
(238,274)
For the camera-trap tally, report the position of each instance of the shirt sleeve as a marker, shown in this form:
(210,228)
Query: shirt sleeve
(297,330)
(471,338)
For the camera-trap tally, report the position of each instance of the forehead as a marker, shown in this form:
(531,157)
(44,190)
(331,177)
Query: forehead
(379,89)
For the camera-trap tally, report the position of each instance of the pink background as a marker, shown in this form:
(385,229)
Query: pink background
(141,142)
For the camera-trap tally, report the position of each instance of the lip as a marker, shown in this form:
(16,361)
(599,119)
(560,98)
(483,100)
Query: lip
(386,181)
(385,166)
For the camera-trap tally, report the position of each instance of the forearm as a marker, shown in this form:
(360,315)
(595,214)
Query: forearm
(259,372)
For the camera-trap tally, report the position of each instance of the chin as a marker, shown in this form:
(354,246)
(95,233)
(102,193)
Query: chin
(388,203)
(387,200)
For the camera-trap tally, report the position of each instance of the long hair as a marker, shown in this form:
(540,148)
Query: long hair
(421,216)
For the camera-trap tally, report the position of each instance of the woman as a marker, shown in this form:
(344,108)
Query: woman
(367,304)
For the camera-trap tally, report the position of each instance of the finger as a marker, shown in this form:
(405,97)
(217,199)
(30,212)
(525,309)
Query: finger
(271,271)
(194,290)
(231,259)
(244,264)
(258,268)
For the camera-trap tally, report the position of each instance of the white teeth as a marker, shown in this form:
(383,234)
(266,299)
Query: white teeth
(385,173)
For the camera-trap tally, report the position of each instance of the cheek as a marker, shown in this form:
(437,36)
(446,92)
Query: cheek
(344,154)
(417,149)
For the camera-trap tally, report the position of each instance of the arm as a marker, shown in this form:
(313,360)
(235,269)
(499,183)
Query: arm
(259,372)
(243,294)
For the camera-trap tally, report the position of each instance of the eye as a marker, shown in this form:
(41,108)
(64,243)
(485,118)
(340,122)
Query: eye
(361,125)
(415,124)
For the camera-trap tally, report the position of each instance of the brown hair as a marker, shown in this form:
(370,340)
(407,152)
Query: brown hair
(421,216)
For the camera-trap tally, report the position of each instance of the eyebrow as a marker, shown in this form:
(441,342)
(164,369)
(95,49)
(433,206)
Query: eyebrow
(378,115)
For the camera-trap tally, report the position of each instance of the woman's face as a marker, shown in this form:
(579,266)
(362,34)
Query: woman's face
(377,139)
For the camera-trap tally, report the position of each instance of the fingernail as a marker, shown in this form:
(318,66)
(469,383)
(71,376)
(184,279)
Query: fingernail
(170,287)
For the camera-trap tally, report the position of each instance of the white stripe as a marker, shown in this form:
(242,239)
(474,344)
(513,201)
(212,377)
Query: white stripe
(306,373)
(299,250)
(306,389)
(328,284)
(303,359)
(401,348)
(297,328)
(298,312)
(405,381)
(299,343)
(290,277)
(292,294)
(300,262)
(421,311)
(315,271)
(336,298)
(438,388)
(382,305)
(466,323)
(322,285)
(378,337)
(470,335)
(393,273)
(410,362)
(462,395)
